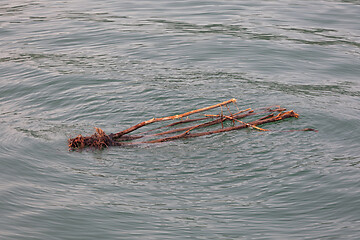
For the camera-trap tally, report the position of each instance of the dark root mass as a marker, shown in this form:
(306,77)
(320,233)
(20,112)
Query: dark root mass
(98,140)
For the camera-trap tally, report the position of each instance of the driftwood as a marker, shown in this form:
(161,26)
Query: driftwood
(100,140)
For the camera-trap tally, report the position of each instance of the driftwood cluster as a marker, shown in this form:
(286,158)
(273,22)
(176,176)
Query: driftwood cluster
(225,121)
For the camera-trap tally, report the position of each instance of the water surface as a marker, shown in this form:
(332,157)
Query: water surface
(69,66)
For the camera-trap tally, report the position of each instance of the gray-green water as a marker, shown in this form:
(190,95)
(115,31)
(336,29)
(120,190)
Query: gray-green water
(68,66)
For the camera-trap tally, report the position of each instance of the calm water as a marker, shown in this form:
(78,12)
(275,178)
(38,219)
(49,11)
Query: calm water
(68,66)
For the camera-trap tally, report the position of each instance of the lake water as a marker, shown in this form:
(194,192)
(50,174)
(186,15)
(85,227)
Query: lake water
(69,66)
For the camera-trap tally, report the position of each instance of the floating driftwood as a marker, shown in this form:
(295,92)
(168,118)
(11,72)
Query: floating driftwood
(224,121)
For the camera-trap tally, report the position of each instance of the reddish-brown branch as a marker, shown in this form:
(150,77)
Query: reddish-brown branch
(280,116)
(101,140)
(179,116)
(216,121)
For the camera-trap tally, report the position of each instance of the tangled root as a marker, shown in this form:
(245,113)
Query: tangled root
(99,140)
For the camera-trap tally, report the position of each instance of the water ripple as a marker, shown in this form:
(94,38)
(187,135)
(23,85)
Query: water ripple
(69,66)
